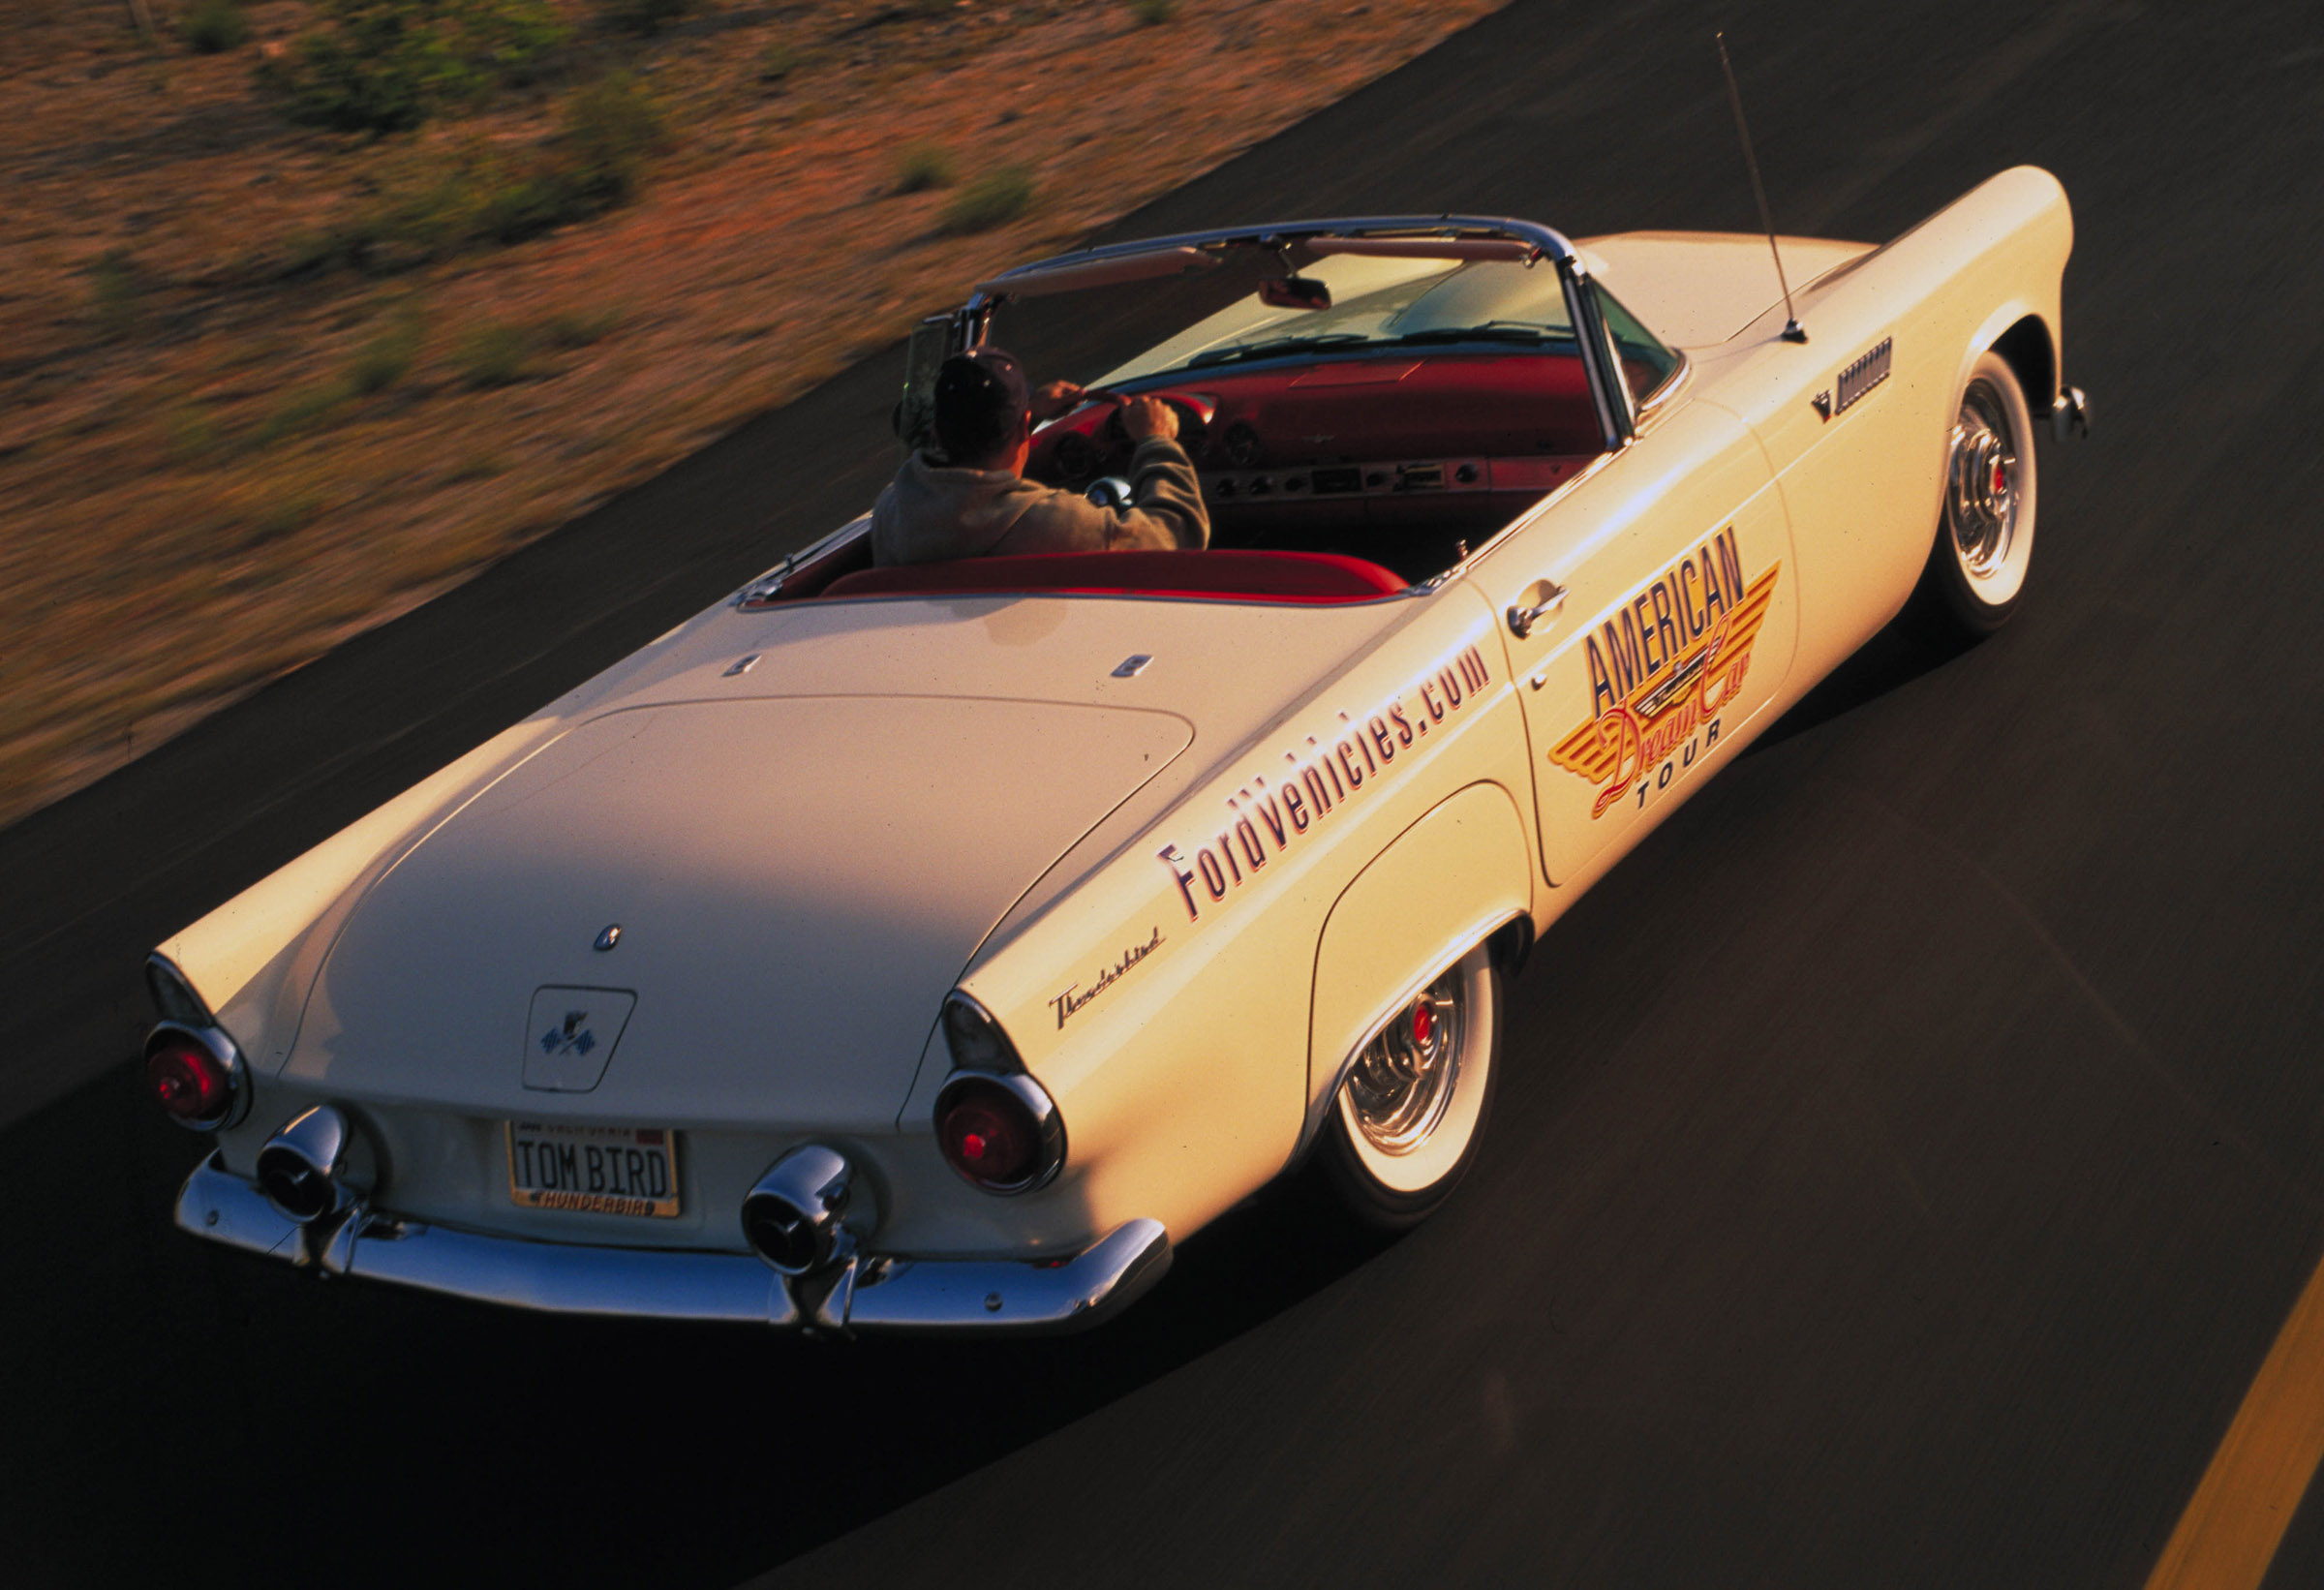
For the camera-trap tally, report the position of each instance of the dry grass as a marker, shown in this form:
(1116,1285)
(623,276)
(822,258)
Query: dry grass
(222,451)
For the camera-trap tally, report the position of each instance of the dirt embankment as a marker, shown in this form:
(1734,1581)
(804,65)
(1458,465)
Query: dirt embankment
(263,385)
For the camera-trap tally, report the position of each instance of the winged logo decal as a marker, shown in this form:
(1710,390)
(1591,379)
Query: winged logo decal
(1664,665)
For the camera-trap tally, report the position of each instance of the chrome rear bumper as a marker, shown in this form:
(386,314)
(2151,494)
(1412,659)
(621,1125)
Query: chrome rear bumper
(895,1296)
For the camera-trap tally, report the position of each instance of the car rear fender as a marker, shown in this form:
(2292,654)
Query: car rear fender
(253,959)
(1443,886)
(1149,999)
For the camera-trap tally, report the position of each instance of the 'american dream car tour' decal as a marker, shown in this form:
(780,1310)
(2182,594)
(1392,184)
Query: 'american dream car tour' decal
(1662,666)
(1322,777)
(1075,996)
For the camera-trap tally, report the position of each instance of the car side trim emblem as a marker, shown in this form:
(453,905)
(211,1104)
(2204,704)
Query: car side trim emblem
(1132,666)
(1865,374)
(611,937)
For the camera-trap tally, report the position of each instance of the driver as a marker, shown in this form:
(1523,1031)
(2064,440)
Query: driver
(971,499)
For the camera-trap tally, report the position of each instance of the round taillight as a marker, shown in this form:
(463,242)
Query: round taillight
(1000,1133)
(989,1135)
(188,1082)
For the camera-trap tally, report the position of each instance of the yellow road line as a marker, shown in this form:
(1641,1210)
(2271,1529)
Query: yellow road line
(2230,1530)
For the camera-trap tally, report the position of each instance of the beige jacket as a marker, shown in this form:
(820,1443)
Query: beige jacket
(930,512)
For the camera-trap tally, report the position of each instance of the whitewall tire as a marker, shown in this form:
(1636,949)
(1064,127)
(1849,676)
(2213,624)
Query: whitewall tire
(1977,570)
(1406,1121)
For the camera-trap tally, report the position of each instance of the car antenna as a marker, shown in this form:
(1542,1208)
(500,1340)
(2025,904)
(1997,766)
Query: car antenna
(1794,331)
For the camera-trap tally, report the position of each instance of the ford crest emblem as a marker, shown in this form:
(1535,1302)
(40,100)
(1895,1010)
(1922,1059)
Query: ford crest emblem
(573,1038)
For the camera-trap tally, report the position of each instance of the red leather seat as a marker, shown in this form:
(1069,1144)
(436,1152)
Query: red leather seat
(1256,576)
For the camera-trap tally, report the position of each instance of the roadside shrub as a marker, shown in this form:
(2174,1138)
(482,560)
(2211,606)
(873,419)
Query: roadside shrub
(480,465)
(995,198)
(117,292)
(777,61)
(511,207)
(484,193)
(190,434)
(213,27)
(386,356)
(580,328)
(385,66)
(301,410)
(643,17)
(493,353)
(501,352)
(609,128)
(920,167)
(281,515)
(509,41)
(375,66)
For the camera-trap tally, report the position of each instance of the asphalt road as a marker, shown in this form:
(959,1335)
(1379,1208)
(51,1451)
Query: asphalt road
(1901,1164)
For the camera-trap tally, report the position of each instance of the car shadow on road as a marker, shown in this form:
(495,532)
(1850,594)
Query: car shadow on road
(1907,647)
(390,1434)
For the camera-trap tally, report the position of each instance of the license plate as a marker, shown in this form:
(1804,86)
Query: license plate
(598,1169)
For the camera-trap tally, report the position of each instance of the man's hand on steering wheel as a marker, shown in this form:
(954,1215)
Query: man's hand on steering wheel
(1144,416)
(1056,398)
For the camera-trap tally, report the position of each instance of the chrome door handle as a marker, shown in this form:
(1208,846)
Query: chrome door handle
(1521,620)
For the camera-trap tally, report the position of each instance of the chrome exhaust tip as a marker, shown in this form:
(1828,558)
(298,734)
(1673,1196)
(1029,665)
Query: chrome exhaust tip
(796,1217)
(314,1168)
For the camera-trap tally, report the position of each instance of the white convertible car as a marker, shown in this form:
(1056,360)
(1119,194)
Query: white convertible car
(929,948)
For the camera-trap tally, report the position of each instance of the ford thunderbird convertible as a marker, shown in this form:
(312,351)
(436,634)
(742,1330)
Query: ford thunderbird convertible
(929,948)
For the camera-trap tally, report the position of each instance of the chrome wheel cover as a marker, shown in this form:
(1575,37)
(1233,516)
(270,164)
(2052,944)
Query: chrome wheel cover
(1400,1085)
(1981,488)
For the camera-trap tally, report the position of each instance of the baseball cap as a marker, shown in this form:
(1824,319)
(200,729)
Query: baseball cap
(979,399)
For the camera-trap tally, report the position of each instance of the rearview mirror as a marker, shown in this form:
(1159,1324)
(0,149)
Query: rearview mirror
(1295,293)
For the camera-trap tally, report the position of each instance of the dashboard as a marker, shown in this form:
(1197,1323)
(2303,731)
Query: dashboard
(1404,460)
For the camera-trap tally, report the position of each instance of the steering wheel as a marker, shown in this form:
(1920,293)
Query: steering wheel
(1073,457)
(1193,417)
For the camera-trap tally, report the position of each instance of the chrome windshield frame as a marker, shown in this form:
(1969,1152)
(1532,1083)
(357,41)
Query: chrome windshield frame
(1616,418)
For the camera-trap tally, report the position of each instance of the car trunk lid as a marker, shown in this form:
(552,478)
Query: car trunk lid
(796,882)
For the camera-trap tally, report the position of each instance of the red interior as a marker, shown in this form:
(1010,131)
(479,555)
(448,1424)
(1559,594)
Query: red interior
(809,578)
(1363,409)
(1430,454)
(1523,422)
(1314,577)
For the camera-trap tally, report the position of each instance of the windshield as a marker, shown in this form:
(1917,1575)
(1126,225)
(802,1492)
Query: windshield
(1408,422)
(1376,303)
